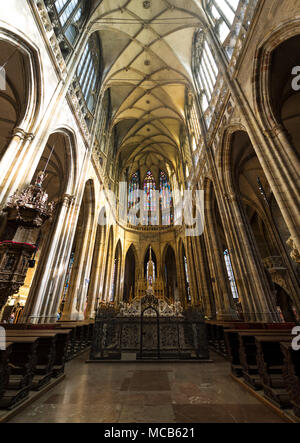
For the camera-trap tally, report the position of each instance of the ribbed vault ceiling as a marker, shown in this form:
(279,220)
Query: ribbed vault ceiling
(147,48)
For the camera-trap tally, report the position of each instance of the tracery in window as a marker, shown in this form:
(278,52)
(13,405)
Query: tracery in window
(206,70)
(223,14)
(166,202)
(133,194)
(150,204)
(71,16)
(88,72)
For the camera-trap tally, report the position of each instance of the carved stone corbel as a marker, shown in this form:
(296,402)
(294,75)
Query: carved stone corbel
(295,254)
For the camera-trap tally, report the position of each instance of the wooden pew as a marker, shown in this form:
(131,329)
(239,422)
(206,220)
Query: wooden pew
(270,362)
(22,361)
(233,346)
(80,337)
(60,346)
(80,333)
(291,375)
(46,355)
(4,366)
(248,355)
(233,342)
(216,336)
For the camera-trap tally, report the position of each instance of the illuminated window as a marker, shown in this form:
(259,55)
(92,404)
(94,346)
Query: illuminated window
(166,201)
(223,14)
(150,205)
(133,195)
(187,282)
(134,186)
(70,14)
(230,274)
(206,71)
(88,72)
(149,187)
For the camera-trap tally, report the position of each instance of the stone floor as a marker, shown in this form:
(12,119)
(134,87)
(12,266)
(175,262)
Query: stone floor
(147,393)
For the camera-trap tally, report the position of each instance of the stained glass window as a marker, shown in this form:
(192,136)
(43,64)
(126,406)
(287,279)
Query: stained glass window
(187,282)
(149,198)
(230,274)
(134,186)
(165,199)
(133,195)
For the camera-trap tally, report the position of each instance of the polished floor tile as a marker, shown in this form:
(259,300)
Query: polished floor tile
(147,393)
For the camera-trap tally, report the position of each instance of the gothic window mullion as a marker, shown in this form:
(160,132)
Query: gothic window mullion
(224,18)
(69,21)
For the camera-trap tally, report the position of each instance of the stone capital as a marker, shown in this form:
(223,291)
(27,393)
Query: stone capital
(67,199)
(23,135)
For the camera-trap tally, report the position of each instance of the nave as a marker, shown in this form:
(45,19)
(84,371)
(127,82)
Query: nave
(147,393)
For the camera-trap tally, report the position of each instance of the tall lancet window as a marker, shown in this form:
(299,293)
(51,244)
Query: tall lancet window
(150,204)
(166,202)
(230,274)
(133,195)
(222,13)
(206,70)
(88,72)
(71,15)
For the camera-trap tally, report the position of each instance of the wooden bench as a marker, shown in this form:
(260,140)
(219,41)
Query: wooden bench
(270,362)
(80,337)
(4,366)
(233,342)
(80,334)
(291,374)
(21,362)
(248,355)
(45,356)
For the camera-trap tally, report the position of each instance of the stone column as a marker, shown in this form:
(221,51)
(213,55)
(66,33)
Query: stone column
(96,274)
(260,297)
(11,162)
(223,295)
(43,299)
(203,276)
(192,271)
(76,297)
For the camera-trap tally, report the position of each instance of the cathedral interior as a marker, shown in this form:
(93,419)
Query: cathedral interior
(149,211)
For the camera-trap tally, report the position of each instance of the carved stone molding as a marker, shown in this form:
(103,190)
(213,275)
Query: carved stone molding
(276,267)
(67,199)
(44,12)
(23,135)
(80,116)
(295,254)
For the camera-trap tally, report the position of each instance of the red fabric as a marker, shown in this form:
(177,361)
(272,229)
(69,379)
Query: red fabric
(17,243)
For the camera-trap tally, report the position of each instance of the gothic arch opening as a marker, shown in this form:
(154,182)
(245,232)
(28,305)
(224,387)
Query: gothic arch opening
(269,232)
(284,94)
(170,273)
(76,290)
(96,269)
(129,275)
(19,87)
(52,173)
(116,274)
(108,264)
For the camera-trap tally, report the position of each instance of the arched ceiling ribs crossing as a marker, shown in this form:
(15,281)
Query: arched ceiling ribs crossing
(147,50)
